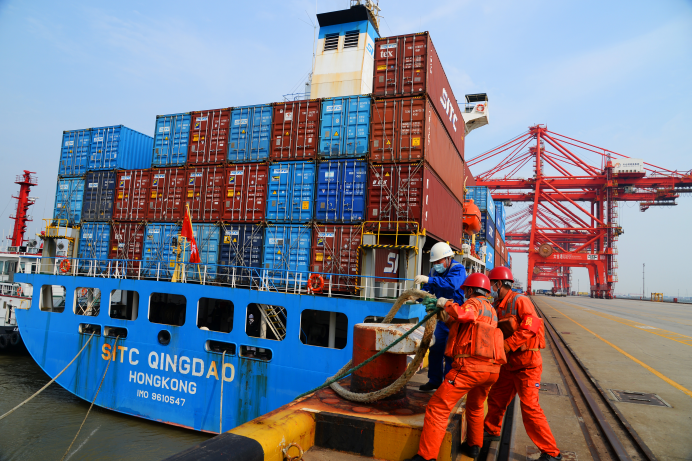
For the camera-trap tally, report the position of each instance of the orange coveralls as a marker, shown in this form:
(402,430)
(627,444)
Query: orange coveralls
(469,374)
(521,375)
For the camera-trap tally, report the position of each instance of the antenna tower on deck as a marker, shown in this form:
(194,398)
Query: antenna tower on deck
(373,6)
(21,217)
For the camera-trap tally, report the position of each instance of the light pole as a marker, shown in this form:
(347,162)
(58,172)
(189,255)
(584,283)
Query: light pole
(643,281)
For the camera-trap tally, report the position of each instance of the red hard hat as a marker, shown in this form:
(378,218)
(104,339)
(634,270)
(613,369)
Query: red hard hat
(501,273)
(477,280)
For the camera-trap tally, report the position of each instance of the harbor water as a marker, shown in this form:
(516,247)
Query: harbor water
(43,428)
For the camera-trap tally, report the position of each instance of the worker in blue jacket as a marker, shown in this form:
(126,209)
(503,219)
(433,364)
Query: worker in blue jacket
(444,281)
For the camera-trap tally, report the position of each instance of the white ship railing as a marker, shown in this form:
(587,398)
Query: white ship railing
(261,279)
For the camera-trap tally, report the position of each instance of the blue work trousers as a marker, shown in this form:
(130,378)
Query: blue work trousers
(436,356)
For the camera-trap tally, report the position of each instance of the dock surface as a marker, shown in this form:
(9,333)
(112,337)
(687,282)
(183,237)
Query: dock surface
(640,353)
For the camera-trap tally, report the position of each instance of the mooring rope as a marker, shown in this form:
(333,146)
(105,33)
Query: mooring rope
(223,362)
(410,370)
(92,402)
(51,381)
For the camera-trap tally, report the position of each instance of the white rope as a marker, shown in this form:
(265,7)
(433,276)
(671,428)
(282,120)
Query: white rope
(223,363)
(50,382)
(115,344)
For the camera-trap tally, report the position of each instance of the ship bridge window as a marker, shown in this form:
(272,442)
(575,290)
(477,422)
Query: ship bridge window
(87,301)
(124,304)
(323,329)
(331,42)
(351,39)
(167,309)
(52,298)
(266,321)
(215,315)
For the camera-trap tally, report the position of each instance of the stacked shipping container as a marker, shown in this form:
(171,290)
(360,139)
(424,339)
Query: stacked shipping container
(284,186)
(491,239)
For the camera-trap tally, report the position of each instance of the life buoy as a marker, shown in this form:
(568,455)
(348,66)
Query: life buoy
(14,339)
(83,292)
(19,291)
(65,265)
(480,107)
(316,283)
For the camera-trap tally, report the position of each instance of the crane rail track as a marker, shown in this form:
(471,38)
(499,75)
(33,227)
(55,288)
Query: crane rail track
(607,433)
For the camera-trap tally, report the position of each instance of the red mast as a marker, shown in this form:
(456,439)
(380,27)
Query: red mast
(23,203)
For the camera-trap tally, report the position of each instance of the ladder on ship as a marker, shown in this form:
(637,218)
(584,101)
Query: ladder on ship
(272,315)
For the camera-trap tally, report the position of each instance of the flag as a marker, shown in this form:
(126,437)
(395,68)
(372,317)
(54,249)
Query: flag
(187,233)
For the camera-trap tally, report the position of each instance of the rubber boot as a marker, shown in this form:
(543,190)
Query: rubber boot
(470,450)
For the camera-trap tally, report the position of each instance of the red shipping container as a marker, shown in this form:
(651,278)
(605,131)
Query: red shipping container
(131,195)
(408,65)
(209,133)
(127,242)
(335,251)
(245,193)
(166,194)
(500,249)
(412,192)
(203,193)
(387,265)
(409,130)
(295,130)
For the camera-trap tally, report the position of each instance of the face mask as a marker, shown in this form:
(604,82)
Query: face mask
(440,268)
(494,293)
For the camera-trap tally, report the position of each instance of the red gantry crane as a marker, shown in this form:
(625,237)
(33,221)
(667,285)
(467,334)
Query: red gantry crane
(571,220)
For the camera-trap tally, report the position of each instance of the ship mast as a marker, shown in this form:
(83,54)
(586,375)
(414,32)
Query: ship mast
(21,216)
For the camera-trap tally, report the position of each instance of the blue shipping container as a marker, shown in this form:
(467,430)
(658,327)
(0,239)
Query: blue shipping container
(501,229)
(341,191)
(69,195)
(119,147)
(489,257)
(94,238)
(500,213)
(241,246)
(99,196)
(158,256)
(250,133)
(290,192)
(345,127)
(286,256)
(74,153)
(207,239)
(482,198)
(488,228)
(171,140)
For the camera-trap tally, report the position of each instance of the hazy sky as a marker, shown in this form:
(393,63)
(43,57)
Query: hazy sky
(615,74)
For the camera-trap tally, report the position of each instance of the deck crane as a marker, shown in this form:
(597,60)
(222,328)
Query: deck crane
(572,217)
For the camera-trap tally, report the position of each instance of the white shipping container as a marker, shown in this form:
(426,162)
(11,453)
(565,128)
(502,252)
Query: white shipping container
(628,165)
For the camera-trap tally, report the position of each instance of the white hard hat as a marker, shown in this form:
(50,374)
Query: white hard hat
(440,250)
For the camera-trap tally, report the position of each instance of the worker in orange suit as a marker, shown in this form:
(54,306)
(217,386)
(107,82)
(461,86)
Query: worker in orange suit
(475,345)
(524,337)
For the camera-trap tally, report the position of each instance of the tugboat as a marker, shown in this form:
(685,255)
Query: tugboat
(210,342)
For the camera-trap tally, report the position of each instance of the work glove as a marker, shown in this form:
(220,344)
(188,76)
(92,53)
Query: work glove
(430,304)
(507,349)
(441,302)
(421,279)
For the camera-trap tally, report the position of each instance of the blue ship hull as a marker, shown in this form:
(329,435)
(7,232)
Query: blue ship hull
(180,383)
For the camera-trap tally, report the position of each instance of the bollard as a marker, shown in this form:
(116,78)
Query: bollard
(368,339)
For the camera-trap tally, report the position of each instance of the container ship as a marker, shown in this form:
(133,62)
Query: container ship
(307,216)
